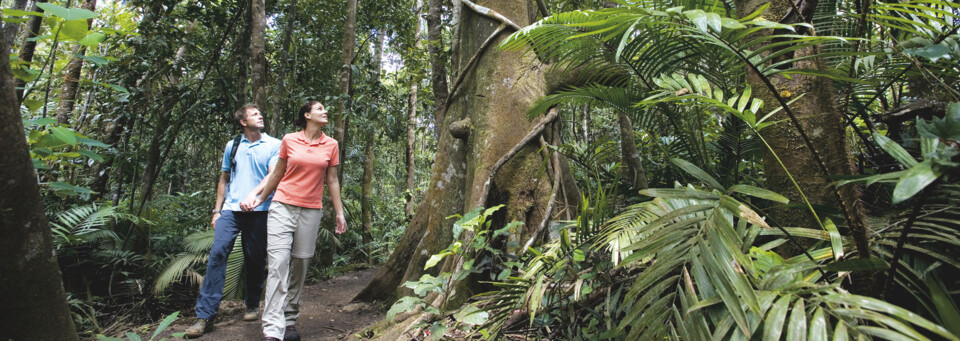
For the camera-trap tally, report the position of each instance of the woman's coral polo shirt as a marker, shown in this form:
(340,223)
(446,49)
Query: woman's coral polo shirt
(307,162)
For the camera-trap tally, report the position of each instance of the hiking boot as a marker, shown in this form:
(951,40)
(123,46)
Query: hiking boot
(251,314)
(290,334)
(197,329)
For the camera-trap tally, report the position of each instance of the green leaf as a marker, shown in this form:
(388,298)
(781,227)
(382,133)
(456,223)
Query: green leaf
(915,180)
(91,142)
(27,75)
(91,155)
(131,336)
(797,329)
(92,39)
(947,127)
(74,29)
(38,164)
(836,242)
(857,264)
(64,135)
(164,324)
(434,259)
(437,331)
(759,193)
(895,150)
(66,13)
(698,173)
(40,121)
(33,105)
(20,13)
(97,60)
(471,315)
(406,303)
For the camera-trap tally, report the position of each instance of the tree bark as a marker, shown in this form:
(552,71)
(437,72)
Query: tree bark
(71,80)
(31,287)
(438,66)
(636,175)
(243,66)
(346,77)
(258,59)
(29,47)
(275,121)
(496,95)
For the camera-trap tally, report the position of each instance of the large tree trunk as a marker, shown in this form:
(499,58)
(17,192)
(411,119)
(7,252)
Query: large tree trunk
(366,186)
(258,61)
(346,78)
(29,46)
(278,100)
(822,123)
(71,80)
(492,106)
(243,64)
(438,66)
(30,288)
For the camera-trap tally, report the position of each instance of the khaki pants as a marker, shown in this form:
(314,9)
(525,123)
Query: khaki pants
(291,242)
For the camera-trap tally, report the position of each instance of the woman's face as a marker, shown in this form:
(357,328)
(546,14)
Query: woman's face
(317,114)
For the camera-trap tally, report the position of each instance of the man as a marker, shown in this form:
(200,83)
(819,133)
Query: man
(247,160)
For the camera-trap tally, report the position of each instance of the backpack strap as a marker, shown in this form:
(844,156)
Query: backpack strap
(233,156)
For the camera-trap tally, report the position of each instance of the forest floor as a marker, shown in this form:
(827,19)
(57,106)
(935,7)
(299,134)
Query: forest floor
(325,313)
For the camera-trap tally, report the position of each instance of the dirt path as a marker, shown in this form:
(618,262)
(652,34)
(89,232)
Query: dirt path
(325,313)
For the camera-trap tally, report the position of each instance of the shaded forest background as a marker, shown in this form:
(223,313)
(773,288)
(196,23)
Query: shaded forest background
(558,169)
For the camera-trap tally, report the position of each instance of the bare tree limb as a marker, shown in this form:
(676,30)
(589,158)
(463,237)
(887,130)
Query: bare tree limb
(537,129)
(473,60)
(490,14)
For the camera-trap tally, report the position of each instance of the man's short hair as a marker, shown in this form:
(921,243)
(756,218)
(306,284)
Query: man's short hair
(241,114)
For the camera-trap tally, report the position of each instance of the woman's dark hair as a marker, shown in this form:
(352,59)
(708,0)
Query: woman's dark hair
(300,120)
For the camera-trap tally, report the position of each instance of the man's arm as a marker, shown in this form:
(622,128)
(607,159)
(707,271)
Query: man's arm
(272,180)
(257,190)
(221,190)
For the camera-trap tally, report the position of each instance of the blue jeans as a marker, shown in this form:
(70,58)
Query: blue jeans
(253,228)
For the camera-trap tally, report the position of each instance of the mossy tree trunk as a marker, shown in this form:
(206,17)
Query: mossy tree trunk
(34,303)
(492,104)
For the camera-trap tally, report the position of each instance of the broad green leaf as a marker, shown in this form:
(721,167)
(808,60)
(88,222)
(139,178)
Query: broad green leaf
(99,61)
(92,39)
(74,30)
(131,336)
(64,135)
(895,150)
(26,74)
(406,303)
(915,180)
(471,315)
(91,142)
(33,105)
(818,327)
(66,13)
(759,193)
(434,259)
(19,13)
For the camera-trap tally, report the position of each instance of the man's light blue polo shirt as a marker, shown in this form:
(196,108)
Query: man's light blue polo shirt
(253,164)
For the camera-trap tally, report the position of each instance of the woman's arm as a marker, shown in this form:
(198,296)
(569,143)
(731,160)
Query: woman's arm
(333,185)
(266,186)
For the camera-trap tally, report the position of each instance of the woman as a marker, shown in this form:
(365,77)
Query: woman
(307,158)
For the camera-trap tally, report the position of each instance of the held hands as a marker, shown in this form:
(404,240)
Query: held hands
(250,203)
(341,224)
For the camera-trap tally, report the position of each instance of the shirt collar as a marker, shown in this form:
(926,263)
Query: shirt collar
(303,137)
(243,138)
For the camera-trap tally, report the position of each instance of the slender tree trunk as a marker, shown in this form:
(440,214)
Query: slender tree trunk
(10,30)
(506,85)
(71,80)
(275,121)
(243,65)
(31,288)
(438,66)
(258,59)
(411,148)
(366,203)
(346,78)
(636,175)
(29,46)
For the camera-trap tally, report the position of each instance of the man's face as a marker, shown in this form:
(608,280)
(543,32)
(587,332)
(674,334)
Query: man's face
(253,119)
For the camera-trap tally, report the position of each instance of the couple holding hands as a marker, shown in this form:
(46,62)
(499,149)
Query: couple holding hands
(278,234)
